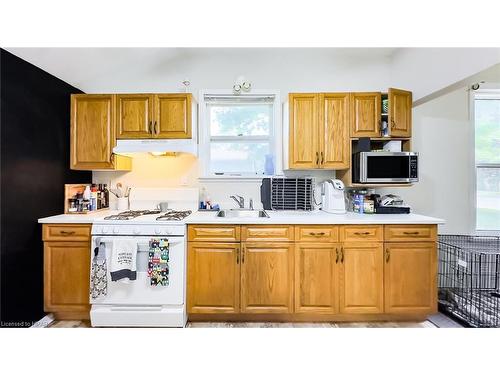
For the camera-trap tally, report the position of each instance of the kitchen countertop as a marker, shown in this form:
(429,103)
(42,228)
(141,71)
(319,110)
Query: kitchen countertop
(275,217)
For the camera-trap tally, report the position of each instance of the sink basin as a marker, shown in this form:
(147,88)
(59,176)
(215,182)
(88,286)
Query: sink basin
(242,213)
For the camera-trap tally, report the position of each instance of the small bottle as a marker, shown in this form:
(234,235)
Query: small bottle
(106,196)
(203,198)
(93,198)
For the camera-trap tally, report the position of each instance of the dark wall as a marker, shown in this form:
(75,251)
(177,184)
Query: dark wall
(35,125)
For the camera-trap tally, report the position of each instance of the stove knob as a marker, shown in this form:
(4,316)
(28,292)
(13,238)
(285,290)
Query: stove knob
(167,232)
(115,230)
(157,231)
(104,230)
(137,231)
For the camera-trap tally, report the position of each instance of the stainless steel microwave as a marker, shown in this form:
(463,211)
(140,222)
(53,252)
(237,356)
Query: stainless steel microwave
(385,167)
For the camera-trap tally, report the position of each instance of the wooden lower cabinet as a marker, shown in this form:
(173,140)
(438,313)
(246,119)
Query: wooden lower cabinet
(323,276)
(267,277)
(362,278)
(316,278)
(411,277)
(213,277)
(67,278)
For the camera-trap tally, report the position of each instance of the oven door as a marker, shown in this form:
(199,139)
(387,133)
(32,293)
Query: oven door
(139,291)
(388,167)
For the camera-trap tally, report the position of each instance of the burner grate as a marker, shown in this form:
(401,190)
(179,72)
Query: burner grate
(174,215)
(127,215)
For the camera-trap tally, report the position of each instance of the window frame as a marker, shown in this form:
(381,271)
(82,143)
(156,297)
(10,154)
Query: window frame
(489,92)
(205,139)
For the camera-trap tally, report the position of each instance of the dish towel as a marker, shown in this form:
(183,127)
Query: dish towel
(158,267)
(124,261)
(99,273)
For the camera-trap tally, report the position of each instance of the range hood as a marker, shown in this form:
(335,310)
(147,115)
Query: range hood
(127,146)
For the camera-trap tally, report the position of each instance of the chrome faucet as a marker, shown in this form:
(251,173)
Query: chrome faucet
(239,199)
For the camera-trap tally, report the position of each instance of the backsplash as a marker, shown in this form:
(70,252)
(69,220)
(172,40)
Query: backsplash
(184,170)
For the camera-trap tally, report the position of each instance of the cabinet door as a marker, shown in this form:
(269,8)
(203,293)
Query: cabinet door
(267,277)
(92,131)
(303,138)
(172,116)
(134,116)
(334,131)
(410,277)
(316,278)
(361,278)
(400,104)
(66,276)
(365,114)
(213,277)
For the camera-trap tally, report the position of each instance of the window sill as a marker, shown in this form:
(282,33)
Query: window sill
(233,178)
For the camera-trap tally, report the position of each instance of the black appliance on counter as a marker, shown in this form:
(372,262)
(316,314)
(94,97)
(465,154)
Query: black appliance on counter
(283,193)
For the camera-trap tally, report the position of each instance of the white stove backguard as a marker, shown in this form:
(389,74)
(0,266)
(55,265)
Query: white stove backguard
(177,198)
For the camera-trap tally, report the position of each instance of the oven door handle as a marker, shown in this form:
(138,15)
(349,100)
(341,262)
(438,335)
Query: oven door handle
(135,308)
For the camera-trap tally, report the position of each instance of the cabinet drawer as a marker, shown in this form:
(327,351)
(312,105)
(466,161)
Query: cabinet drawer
(316,233)
(410,233)
(214,233)
(267,233)
(354,233)
(66,232)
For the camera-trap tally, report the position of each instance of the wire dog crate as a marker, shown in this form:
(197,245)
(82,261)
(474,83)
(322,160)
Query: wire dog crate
(469,278)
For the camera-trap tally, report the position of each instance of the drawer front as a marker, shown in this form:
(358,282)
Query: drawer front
(316,233)
(356,233)
(214,233)
(66,232)
(410,233)
(281,233)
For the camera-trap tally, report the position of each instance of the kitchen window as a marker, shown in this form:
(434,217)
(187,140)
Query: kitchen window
(239,135)
(487,160)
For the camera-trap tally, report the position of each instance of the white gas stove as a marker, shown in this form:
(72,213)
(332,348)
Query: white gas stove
(137,303)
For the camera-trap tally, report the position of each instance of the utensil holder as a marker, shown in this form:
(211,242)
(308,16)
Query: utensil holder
(122,204)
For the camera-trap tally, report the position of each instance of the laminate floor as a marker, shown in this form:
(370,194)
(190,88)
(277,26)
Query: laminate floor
(426,324)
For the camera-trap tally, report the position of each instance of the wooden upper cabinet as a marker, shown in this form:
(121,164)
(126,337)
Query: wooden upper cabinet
(400,105)
(365,114)
(411,277)
(316,276)
(92,131)
(134,116)
(303,141)
(334,131)
(267,277)
(362,278)
(213,277)
(173,116)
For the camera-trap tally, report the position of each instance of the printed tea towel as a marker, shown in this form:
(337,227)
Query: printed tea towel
(99,273)
(158,268)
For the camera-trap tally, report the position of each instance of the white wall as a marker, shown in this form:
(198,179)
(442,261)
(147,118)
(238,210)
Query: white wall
(442,134)
(286,70)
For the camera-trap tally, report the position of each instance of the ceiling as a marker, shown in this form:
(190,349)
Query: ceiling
(88,68)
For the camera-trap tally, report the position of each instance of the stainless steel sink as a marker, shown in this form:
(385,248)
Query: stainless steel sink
(243,213)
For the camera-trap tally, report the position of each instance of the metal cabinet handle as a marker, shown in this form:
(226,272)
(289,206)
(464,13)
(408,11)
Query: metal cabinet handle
(411,233)
(242,255)
(317,158)
(387,255)
(237,255)
(342,255)
(317,233)
(322,158)
(362,233)
(67,233)
(393,124)
(157,130)
(150,127)
(337,255)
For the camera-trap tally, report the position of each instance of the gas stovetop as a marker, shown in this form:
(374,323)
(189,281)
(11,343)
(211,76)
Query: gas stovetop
(174,215)
(131,214)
